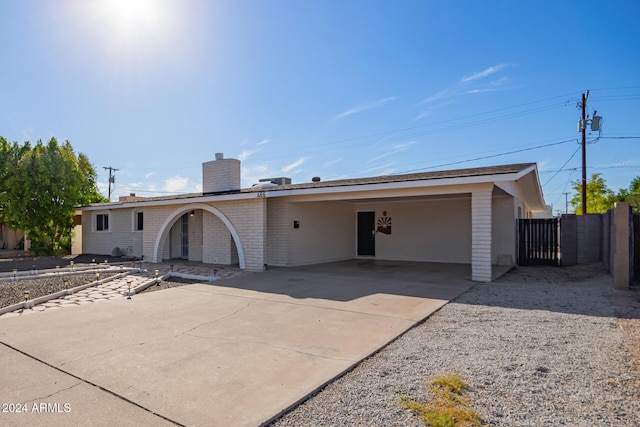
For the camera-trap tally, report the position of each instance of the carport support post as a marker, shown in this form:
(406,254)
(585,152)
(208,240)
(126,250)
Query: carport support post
(481,235)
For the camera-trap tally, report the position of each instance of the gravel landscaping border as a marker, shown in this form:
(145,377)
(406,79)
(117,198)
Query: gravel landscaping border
(541,346)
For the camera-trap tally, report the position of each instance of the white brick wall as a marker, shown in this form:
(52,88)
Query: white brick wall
(279,227)
(216,241)
(248,217)
(195,236)
(221,175)
(481,202)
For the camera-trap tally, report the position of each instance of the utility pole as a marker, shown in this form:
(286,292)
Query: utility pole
(583,128)
(112,178)
(566,203)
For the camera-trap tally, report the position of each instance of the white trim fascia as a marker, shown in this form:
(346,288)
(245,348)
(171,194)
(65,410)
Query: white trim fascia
(426,183)
(169,202)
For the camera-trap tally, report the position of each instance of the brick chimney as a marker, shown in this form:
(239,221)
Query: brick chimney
(221,175)
(130,198)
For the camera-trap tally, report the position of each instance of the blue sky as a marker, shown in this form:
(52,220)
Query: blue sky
(335,89)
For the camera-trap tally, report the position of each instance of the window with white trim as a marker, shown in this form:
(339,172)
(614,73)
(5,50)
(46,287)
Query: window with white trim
(139,221)
(102,222)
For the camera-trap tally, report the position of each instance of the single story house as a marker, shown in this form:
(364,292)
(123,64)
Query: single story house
(464,216)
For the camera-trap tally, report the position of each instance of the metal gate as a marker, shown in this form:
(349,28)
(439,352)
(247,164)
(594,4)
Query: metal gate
(538,241)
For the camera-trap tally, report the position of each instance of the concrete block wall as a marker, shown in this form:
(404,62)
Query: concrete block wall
(426,230)
(481,235)
(589,232)
(622,246)
(568,240)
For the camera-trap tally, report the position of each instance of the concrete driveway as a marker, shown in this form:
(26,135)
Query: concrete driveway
(234,353)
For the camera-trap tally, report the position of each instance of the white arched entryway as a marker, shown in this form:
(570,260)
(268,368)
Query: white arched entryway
(175,215)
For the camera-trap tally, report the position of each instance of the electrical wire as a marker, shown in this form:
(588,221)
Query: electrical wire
(562,167)
(486,157)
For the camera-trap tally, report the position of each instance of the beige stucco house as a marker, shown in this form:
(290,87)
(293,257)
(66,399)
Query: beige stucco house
(464,216)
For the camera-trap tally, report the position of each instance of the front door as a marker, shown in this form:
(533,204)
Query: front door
(366,233)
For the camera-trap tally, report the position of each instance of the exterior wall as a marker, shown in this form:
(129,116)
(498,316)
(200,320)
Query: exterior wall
(247,217)
(437,230)
(325,233)
(76,240)
(503,227)
(216,247)
(279,229)
(120,234)
(10,238)
(195,236)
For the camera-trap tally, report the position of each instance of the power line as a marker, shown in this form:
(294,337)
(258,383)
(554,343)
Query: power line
(487,157)
(562,167)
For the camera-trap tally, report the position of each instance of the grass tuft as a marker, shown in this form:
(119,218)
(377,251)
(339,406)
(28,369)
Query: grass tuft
(448,407)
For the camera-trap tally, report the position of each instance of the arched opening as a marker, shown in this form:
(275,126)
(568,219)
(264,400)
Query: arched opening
(176,215)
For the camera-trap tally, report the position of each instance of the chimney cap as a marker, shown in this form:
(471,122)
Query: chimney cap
(219,156)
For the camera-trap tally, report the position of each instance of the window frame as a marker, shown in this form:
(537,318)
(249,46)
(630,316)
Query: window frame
(137,223)
(100,222)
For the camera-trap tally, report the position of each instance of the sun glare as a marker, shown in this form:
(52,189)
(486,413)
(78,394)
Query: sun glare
(134,18)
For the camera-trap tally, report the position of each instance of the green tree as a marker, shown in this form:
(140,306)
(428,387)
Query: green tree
(631,195)
(43,187)
(600,198)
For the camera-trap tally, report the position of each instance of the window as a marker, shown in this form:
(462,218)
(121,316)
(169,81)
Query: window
(139,221)
(102,222)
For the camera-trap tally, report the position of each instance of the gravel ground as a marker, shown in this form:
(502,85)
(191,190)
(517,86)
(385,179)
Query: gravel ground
(538,347)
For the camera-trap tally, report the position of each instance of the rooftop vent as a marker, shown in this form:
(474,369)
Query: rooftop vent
(315,179)
(277,181)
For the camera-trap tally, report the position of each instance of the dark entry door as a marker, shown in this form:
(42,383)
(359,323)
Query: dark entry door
(366,233)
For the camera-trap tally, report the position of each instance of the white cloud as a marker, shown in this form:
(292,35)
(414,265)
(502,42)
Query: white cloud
(149,175)
(482,74)
(422,115)
(396,149)
(245,154)
(363,107)
(468,85)
(332,162)
(294,165)
(176,184)
(264,141)
(252,173)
